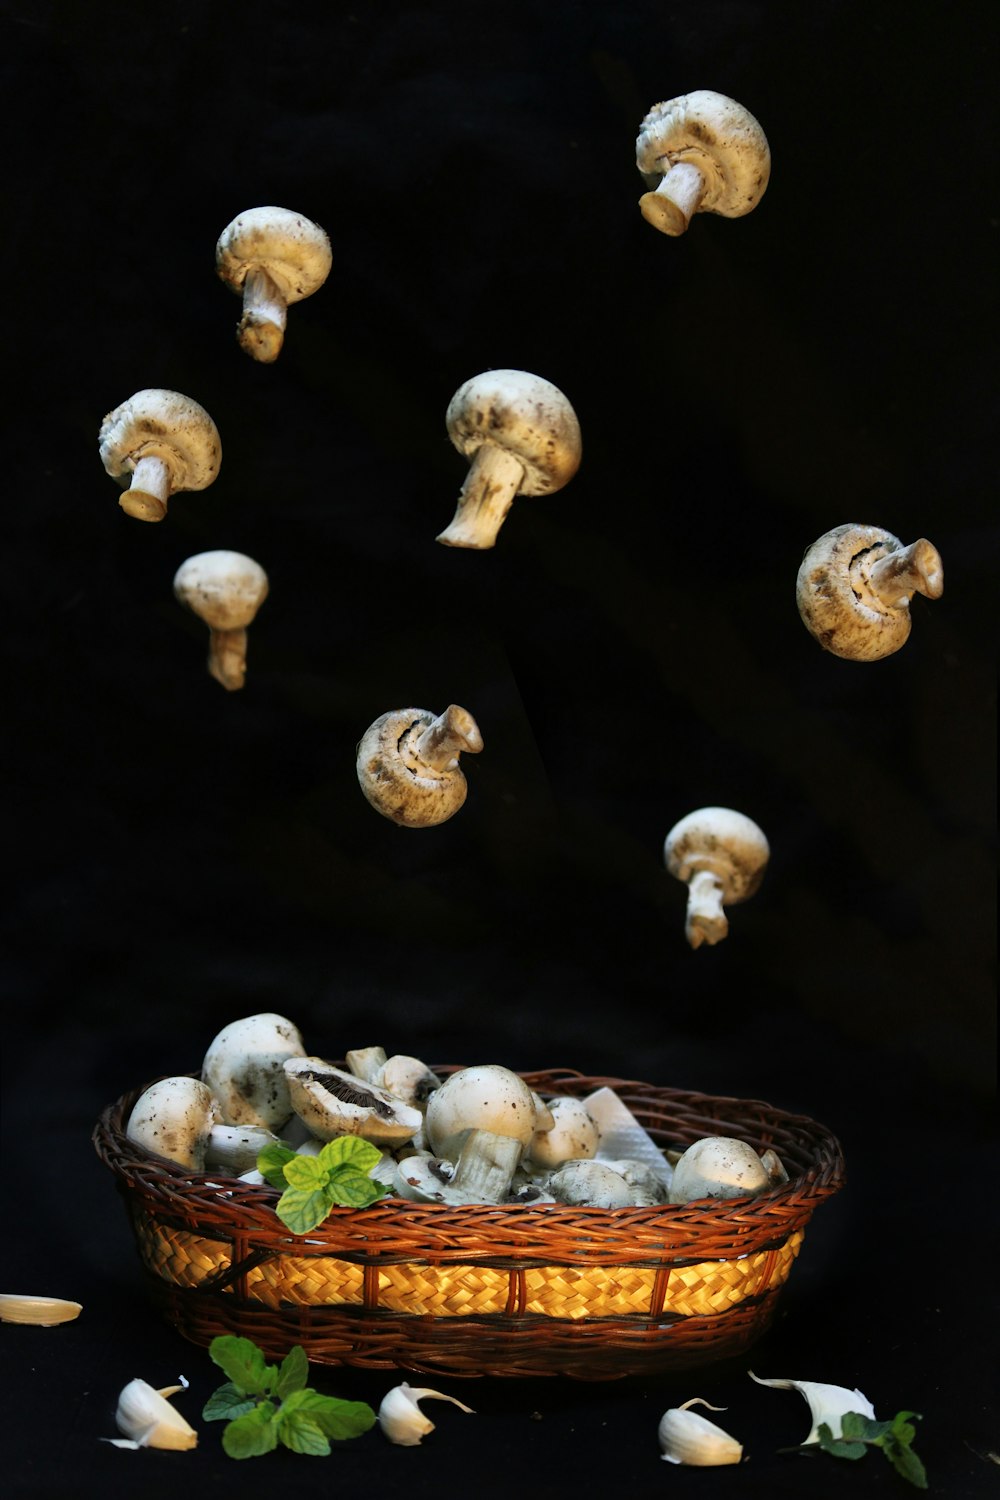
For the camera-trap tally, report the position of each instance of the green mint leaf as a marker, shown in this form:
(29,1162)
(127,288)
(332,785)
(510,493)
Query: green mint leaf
(293,1373)
(349,1150)
(300,1432)
(906,1463)
(355,1189)
(251,1435)
(306,1172)
(338,1419)
(302,1209)
(226,1403)
(902,1428)
(271,1163)
(244,1363)
(841,1449)
(865,1429)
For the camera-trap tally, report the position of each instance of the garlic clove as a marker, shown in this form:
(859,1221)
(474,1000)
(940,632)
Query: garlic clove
(687,1438)
(827,1403)
(400,1417)
(43,1312)
(148,1420)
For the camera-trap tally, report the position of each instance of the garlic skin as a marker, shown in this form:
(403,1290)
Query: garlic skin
(401,1419)
(827,1403)
(687,1438)
(148,1420)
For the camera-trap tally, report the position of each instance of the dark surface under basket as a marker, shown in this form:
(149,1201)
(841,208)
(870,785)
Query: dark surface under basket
(180,1214)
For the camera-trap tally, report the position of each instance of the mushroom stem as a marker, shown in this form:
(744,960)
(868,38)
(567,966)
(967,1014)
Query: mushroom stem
(227,657)
(265,313)
(446,737)
(916,569)
(494,478)
(147,496)
(706,920)
(673,203)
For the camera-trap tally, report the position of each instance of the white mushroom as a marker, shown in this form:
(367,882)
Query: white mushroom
(854,587)
(407,764)
(706,154)
(571,1136)
(174,1118)
(333,1102)
(158,443)
(523,437)
(273,257)
(225,589)
(484,1097)
(244,1068)
(482,1173)
(591,1184)
(718,1166)
(234,1149)
(721,855)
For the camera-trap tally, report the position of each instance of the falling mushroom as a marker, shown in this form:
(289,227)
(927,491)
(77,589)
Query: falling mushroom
(225,589)
(854,588)
(721,855)
(273,257)
(157,443)
(700,153)
(523,437)
(407,764)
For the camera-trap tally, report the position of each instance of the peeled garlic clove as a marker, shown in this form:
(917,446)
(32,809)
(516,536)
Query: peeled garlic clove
(148,1420)
(687,1438)
(401,1419)
(827,1403)
(44,1312)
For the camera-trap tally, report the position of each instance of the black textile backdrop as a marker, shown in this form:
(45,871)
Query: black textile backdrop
(181,856)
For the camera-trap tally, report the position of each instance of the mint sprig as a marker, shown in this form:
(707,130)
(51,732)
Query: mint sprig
(859,1433)
(312,1185)
(264,1405)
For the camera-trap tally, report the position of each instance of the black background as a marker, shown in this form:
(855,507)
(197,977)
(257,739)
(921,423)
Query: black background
(181,856)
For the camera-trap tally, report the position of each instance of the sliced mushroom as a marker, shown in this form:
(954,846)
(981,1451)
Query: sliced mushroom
(523,437)
(272,257)
(333,1102)
(854,587)
(225,589)
(721,855)
(705,154)
(407,764)
(158,443)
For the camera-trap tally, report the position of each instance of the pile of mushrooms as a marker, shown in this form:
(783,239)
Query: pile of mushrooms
(480,1136)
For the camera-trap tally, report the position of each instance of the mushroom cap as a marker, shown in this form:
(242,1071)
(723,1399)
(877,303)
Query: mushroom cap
(836,604)
(396,782)
(719,137)
(526,416)
(718,1166)
(244,1068)
(293,251)
(162,424)
(174,1118)
(225,589)
(486,1096)
(725,843)
(572,1136)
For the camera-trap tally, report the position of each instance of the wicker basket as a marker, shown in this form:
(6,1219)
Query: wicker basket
(549,1290)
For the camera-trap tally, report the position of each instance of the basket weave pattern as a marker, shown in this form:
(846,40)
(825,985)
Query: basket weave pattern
(511,1290)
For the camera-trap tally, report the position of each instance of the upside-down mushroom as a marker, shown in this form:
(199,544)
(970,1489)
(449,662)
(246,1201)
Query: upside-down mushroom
(700,153)
(854,587)
(407,764)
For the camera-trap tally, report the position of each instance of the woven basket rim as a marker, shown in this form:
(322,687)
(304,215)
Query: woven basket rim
(215,1199)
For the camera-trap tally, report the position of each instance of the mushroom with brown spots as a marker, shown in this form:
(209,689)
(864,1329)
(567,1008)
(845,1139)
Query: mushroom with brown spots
(225,589)
(159,442)
(721,855)
(523,437)
(272,257)
(854,587)
(700,153)
(407,764)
